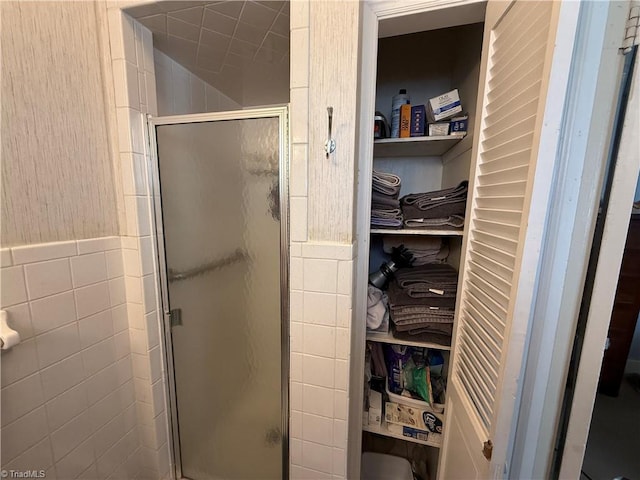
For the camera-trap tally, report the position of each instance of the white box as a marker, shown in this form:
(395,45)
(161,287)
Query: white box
(426,420)
(444,106)
(375,407)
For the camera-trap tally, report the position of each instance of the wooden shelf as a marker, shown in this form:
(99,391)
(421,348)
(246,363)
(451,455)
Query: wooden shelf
(415,146)
(384,431)
(389,338)
(418,231)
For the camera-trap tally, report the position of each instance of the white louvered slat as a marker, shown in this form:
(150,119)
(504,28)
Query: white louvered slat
(504,153)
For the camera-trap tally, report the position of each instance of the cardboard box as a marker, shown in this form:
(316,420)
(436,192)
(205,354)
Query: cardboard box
(444,106)
(459,125)
(405,121)
(418,120)
(439,129)
(415,433)
(413,417)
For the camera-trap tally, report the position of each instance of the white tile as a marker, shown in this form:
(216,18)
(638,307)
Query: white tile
(48,278)
(343,311)
(142,90)
(140,366)
(299,98)
(153,329)
(144,413)
(124,129)
(108,435)
(123,369)
(137,29)
(152,100)
(102,383)
(70,435)
(299,70)
(12,285)
(138,341)
(129,242)
(120,318)
(131,262)
(38,457)
(121,341)
(114,263)
(296,273)
(318,371)
(105,410)
(149,293)
(76,462)
(21,397)
(120,82)
(295,396)
(52,312)
(342,375)
(319,340)
(131,212)
(19,318)
(340,462)
(296,424)
(345,274)
(298,219)
(43,252)
(57,344)
(62,376)
(299,13)
(296,452)
(90,472)
(102,244)
(343,344)
(88,269)
(136,315)
(158,390)
(295,249)
(339,433)
(99,356)
(320,275)
(340,404)
(117,292)
(143,391)
(18,362)
(144,219)
(146,255)
(198,96)
(317,400)
(114,17)
(328,250)
(129,39)
(66,406)
(295,364)
(296,337)
(5,257)
(23,434)
(317,429)
(92,299)
(136,121)
(95,328)
(318,457)
(131,72)
(298,174)
(126,167)
(155,364)
(320,308)
(139,174)
(147,49)
(296,307)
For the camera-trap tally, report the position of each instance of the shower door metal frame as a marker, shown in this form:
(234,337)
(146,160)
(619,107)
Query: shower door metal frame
(282,114)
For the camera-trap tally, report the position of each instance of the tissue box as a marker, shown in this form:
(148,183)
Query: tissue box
(438,129)
(413,417)
(444,106)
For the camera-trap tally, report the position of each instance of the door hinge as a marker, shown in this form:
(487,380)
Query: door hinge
(487,449)
(632,28)
(175,317)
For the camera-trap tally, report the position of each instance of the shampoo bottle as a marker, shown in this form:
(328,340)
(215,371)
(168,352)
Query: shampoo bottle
(398,100)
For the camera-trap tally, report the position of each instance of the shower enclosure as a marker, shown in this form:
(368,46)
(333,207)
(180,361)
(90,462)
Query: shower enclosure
(221,213)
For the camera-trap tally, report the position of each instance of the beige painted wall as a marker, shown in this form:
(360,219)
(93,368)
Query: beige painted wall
(57,171)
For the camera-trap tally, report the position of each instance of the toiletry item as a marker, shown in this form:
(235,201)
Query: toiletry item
(438,129)
(459,125)
(375,407)
(418,120)
(405,121)
(398,100)
(380,126)
(444,106)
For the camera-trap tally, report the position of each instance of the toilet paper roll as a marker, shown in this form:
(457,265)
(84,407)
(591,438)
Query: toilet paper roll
(8,336)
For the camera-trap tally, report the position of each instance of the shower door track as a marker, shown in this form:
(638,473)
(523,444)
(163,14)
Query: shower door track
(282,113)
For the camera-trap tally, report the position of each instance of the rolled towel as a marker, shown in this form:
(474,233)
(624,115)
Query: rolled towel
(386,183)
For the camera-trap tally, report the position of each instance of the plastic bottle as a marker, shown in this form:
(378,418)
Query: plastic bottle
(398,100)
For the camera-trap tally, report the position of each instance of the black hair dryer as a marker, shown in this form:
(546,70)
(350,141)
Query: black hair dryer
(400,258)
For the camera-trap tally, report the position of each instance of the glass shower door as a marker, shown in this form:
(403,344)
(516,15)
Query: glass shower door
(220,193)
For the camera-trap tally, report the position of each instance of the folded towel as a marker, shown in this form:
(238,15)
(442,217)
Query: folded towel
(381,199)
(454,221)
(431,201)
(386,183)
(424,249)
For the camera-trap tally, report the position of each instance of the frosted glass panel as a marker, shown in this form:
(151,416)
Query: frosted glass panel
(219,190)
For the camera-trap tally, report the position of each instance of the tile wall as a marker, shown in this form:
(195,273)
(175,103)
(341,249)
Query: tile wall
(68,392)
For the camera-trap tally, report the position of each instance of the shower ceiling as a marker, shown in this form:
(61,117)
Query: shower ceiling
(239,47)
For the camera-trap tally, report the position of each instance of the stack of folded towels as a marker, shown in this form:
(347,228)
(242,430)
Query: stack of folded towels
(424,249)
(439,209)
(385,206)
(422,301)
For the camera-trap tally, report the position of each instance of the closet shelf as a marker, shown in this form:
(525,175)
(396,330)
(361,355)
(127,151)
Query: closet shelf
(389,338)
(384,431)
(418,231)
(415,146)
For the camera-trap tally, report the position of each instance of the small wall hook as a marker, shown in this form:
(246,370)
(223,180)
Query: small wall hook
(330,144)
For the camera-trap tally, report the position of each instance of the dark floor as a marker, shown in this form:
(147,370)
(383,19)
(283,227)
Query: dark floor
(613,448)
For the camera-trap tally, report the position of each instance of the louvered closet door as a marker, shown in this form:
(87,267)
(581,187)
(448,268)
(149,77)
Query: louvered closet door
(518,44)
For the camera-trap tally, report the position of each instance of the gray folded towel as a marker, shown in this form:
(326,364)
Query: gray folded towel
(454,221)
(432,201)
(386,183)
